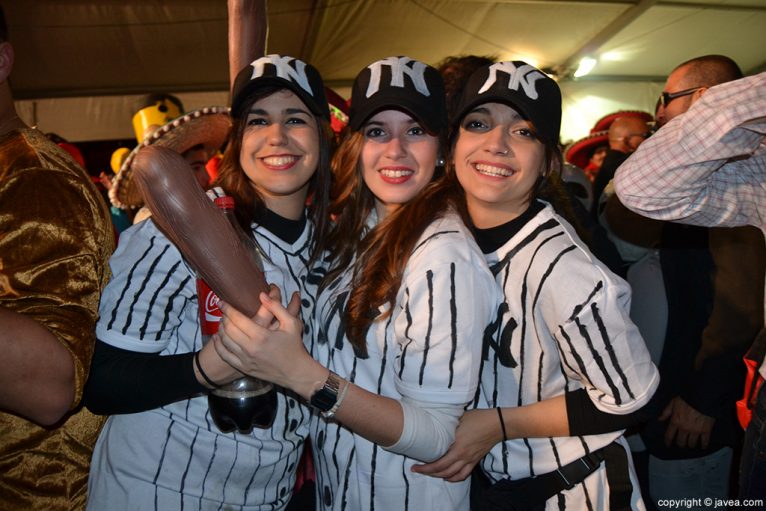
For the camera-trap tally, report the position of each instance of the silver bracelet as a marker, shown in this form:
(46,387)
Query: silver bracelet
(329,414)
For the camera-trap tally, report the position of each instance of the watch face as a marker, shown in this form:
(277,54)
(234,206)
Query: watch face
(325,398)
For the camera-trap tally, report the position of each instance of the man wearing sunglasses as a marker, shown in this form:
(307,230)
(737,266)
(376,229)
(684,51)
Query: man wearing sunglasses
(706,167)
(689,81)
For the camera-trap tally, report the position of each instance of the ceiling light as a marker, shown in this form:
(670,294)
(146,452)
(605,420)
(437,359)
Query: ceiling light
(586,66)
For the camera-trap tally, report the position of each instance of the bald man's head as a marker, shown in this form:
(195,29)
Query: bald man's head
(689,81)
(627,133)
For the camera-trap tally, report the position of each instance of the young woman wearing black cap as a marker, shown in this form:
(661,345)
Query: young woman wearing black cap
(161,450)
(406,297)
(565,370)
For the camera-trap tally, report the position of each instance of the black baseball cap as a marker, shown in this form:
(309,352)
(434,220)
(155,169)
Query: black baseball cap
(301,78)
(399,83)
(533,93)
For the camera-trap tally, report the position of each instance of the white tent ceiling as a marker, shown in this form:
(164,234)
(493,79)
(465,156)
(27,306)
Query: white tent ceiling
(79,64)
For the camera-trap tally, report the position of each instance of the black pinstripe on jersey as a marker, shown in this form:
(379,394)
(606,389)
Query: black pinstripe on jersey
(558,330)
(174,457)
(421,348)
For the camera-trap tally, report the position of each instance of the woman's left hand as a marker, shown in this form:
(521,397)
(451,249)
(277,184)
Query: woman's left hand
(477,433)
(274,353)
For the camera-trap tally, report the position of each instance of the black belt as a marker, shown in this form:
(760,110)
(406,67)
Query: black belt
(531,493)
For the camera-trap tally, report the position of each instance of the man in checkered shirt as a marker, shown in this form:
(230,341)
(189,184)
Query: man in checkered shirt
(708,167)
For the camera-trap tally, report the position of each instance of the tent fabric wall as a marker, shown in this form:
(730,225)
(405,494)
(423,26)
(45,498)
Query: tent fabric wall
(80,64)
(82,119)
(585,102)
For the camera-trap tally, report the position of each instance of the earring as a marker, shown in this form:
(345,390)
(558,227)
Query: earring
(440,162)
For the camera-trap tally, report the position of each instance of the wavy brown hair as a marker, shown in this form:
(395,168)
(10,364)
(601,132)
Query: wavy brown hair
(249,203)
(380,255)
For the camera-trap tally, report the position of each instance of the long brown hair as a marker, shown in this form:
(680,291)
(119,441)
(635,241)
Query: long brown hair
(249,203)
(380,255)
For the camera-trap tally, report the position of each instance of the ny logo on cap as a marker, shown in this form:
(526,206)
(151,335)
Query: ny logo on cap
(284,70)
(526,76)
(399,68)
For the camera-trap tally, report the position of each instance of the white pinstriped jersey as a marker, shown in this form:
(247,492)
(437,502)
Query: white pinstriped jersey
(174,457)
(428,350)
(564,326)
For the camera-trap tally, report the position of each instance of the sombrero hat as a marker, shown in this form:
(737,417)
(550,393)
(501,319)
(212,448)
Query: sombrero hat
(606,121)
(208,126)
(579,152)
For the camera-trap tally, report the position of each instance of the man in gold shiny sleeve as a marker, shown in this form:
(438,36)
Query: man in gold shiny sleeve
(55,241)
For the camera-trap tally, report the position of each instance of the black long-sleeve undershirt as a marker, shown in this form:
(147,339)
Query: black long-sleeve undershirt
(123,381)
(585,419)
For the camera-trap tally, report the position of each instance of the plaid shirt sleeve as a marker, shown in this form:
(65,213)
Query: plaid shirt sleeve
(707,166)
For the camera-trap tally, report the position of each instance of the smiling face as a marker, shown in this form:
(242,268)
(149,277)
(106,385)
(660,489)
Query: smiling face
(280,151)
(398,158)
(498,160)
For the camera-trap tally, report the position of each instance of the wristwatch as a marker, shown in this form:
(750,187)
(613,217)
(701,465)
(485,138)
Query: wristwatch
(326,397)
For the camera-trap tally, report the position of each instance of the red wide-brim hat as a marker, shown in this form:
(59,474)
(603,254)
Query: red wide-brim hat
(579,152)
(606,121)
